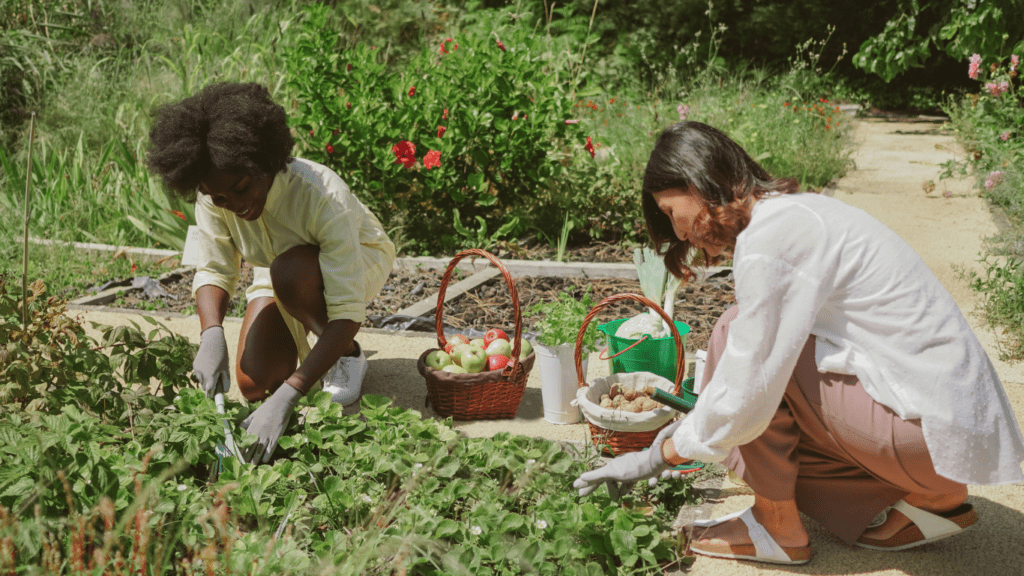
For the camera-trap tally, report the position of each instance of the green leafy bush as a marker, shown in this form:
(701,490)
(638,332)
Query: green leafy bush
(474,126)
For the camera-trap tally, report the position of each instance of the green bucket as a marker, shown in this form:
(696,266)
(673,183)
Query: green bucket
(657,355)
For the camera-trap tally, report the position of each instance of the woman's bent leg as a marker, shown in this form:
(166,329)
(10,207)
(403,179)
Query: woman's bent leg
(266,350)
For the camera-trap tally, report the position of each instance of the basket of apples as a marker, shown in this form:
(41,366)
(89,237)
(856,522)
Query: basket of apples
(477,380)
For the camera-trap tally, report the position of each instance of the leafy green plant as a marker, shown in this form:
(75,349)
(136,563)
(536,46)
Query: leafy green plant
(559,321)
(470,124)
(958,28)
(1001,286)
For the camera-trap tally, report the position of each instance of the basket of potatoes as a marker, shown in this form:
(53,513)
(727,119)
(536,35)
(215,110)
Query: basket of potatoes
(619,410)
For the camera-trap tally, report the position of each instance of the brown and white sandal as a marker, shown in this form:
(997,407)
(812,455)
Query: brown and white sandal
(925,526)
(763,549)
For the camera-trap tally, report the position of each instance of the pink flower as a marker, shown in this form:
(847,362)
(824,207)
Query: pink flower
(683,110)
(1014,61)
(515,115)
(1005,136)
(441,131)
(405,153)
(1004,86)
(975,66)
(997,90)
(412,91)
(572,121)
(994,179)
(432,159)
(444,115)
(589,147)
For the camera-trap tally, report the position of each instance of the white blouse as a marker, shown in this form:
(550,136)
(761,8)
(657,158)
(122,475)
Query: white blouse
(809,264)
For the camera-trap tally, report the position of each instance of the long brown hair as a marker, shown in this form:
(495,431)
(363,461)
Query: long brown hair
(728,182)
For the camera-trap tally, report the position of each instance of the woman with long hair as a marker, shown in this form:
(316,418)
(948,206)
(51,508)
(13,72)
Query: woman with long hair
(845,384)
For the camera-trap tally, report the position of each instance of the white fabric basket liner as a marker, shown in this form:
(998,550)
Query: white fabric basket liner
(588,399)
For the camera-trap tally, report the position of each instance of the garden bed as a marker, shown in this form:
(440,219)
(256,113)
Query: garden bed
(485,306)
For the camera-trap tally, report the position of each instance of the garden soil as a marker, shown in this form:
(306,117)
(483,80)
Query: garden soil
(896,179)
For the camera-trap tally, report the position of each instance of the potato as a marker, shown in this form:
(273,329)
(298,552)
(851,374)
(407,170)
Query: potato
(632,407)
(648,404)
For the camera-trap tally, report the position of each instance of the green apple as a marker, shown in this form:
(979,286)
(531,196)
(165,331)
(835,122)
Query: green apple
(473,359)
(456,353)
(525,348)
(499,347)
(479,342)
(454,369)
(438,359)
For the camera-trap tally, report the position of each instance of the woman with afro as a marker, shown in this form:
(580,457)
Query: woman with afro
(319,254)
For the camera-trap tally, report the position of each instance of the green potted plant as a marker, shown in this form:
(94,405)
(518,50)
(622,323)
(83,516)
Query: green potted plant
(557,327)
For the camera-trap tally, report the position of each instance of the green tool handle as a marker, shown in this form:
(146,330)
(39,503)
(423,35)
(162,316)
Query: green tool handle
(670,400)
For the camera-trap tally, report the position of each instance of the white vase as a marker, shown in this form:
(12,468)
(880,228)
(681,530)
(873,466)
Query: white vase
(558,382)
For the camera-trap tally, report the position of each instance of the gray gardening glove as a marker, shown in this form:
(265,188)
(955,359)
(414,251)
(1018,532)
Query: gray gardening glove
(268,422)
(211,363)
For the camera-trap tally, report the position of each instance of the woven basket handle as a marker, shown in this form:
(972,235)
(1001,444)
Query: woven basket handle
(439,325)
(680,355)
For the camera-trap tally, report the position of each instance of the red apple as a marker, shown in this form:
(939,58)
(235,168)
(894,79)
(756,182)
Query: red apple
(497,362)
(494,334)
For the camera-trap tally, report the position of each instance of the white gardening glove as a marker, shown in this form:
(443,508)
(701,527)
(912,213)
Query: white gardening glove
(622,473)
(663,435)
(211,362)
(268,422)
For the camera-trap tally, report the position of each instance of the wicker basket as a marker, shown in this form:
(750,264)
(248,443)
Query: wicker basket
(485,395)
(603,432)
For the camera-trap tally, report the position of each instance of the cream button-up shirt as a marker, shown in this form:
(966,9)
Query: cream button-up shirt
(307,203)
(808,264)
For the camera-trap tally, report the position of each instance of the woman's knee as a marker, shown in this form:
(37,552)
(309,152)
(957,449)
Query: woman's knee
(296,273)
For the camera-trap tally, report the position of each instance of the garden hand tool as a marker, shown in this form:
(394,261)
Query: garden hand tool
(268,422)
(228,446)
(210,367)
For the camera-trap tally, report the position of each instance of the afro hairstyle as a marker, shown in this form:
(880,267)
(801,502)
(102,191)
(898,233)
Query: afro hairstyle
(226,126)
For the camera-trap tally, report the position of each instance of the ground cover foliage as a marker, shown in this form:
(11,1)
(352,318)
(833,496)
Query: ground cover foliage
(107,450)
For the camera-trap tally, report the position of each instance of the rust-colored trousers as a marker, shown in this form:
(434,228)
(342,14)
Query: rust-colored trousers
(843,456)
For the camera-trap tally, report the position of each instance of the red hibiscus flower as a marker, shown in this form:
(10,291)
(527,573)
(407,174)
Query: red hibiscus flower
(589,147)
(177,213)
(330,149)
(310,131)
(444,49)
(432,159)
(444,115)
(348,105)
(500,45)
(405,153)
(412,91)
(440,131)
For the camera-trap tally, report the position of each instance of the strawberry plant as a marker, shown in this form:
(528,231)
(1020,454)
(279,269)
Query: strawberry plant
(101,471)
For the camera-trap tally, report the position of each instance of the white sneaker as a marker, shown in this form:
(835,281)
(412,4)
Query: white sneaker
(344,380)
